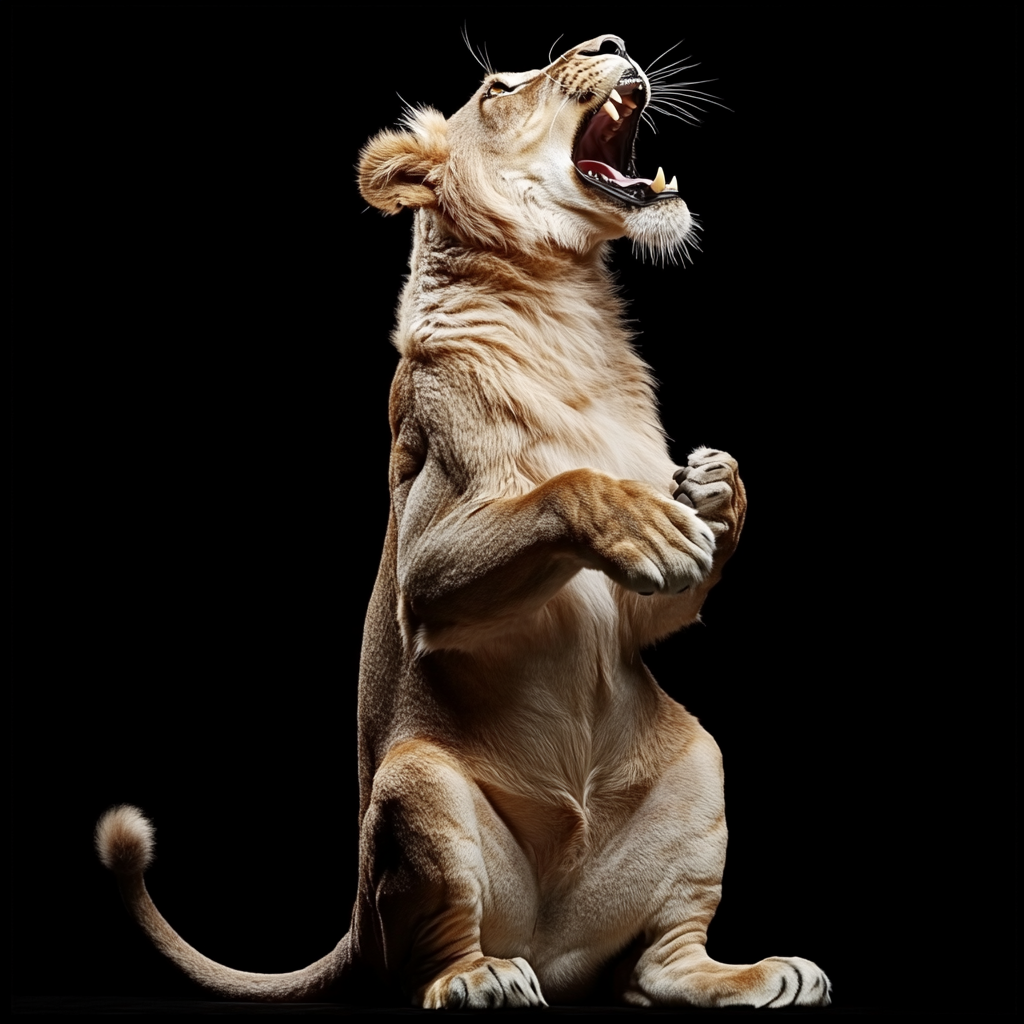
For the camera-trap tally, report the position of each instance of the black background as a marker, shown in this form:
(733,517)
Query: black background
(201,369)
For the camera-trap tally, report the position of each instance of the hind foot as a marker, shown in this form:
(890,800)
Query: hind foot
(774,983)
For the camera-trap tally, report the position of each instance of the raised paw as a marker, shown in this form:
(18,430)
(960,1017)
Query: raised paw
(711,486)
(482,984)
(651,545)
(634,532)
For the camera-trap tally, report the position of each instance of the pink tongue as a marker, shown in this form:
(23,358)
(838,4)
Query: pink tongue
(609,172)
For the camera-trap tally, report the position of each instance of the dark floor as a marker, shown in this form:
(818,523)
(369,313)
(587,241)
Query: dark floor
(114,1006)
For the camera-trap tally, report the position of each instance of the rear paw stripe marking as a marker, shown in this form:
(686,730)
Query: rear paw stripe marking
(779,995)
(497,978)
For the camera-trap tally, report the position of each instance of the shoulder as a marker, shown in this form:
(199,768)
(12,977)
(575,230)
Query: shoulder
(450,420)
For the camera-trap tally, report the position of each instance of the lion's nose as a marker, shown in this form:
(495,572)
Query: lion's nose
(603,44)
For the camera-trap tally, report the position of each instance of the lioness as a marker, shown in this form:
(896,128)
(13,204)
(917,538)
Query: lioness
(535,812)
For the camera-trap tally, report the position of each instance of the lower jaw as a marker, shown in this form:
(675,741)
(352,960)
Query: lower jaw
(630,195)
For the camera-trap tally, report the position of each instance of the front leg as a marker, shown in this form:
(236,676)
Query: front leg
(710,484)
(477,570)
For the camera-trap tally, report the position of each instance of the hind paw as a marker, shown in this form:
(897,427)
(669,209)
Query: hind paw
(774,983)
(800,982)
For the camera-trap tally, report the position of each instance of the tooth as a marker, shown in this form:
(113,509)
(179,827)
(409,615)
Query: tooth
(672,186)
(610,110)
(628,101)
(658,185)
(615,96)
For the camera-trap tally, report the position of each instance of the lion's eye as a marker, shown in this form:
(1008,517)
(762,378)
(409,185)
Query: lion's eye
(497,88)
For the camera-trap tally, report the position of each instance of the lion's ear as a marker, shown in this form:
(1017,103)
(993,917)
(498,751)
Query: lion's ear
(398,169)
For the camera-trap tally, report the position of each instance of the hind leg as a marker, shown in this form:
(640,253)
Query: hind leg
(439,875)
(674,969)
(673,972)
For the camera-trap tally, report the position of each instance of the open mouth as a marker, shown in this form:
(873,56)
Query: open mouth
(604,151)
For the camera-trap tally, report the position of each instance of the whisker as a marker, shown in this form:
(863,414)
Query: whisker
(674,104)
(700,81)
(704,97)
(552,47)
(676,100)
(679,105)
(674,69)
(663,79)
(551,127)
(484,61)
(660,76)
(682,115)
(554,80)
(660,55)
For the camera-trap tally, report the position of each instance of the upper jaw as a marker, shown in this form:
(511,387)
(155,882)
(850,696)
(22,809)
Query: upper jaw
(604,149)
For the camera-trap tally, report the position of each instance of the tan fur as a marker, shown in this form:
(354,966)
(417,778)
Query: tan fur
(533,807)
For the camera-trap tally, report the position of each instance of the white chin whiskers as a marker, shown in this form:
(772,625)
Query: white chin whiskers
(663,232)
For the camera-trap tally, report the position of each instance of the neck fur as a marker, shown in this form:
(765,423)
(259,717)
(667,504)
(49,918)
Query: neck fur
(545,341)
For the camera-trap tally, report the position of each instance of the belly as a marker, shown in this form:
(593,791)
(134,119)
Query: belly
(649,849)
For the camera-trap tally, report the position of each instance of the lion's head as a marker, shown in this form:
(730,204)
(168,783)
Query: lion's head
(536,159)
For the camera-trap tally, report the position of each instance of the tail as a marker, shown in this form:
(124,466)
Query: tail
(124,841)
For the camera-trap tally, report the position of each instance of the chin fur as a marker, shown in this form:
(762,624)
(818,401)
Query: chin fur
(663,232)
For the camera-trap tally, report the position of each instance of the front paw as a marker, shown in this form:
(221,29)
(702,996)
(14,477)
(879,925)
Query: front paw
(711,486)
(482,984)
(647,543)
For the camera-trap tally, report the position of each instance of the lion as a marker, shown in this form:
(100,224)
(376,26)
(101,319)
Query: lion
(536,814)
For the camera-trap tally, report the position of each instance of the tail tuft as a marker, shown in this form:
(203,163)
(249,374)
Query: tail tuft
(124,840)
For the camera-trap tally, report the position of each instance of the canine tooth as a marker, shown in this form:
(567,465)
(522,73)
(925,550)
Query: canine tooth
(615,96)
(658,185)
(672,186)
(609,109)
(628,102)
